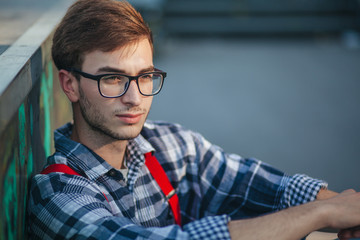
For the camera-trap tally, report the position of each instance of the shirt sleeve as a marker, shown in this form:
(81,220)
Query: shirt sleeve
(301,189)
(58,213)
(214,227)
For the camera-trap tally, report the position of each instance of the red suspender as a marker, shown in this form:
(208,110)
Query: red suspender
(63,169)
(59,168)
(156,171)
(162,180)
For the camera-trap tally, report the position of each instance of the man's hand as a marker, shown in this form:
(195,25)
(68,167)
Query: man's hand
(345,233)
(345,209)
(349,233)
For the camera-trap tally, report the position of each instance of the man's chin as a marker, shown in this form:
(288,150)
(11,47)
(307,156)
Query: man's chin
(126,133)
(126,137)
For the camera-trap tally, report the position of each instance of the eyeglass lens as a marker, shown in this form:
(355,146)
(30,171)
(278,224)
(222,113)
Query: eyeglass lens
(116,85)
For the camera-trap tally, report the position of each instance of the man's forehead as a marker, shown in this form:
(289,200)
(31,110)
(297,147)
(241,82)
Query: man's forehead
(139,53)
(124,50)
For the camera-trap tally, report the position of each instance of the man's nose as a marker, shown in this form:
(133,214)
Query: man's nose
(132,96)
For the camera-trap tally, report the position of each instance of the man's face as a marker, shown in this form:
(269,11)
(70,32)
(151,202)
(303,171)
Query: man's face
(120,118)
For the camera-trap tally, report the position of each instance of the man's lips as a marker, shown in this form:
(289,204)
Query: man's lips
(130,118)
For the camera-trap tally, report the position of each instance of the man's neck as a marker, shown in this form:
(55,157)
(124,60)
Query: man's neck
(111,150)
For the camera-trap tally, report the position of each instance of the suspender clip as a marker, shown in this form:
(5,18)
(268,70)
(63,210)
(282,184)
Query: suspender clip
(170,194)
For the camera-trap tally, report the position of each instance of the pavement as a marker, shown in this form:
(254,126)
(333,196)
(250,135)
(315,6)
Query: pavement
(16,16)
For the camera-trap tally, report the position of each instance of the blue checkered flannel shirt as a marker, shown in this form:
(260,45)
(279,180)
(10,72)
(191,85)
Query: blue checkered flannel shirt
(213,187)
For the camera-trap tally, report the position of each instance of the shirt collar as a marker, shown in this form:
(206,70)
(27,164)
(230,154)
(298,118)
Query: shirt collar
(83,159)
(143,145)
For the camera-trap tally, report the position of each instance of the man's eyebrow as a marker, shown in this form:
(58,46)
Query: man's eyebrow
(148,69)
(121,71)
(110,70)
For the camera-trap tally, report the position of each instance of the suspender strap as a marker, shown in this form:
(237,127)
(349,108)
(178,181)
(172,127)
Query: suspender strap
(63,168)
(162,180)
(59,168)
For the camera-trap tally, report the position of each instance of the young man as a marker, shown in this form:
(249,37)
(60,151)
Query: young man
(104,181)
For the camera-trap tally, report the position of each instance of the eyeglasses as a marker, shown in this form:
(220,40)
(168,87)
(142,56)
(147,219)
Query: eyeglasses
(115,85)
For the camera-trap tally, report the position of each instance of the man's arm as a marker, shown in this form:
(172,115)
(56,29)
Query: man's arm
(333,210)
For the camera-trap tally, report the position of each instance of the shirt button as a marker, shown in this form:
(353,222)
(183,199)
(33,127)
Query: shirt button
(112,173)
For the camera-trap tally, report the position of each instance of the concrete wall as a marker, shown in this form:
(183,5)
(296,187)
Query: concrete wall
(29,94)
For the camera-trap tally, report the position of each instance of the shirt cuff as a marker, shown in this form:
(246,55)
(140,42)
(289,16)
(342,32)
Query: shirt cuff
(214,227)
(301,189)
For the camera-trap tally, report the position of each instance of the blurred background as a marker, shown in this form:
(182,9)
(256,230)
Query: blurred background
(275,80)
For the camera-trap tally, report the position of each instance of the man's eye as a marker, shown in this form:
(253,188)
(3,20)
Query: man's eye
(147,76)
(113,79)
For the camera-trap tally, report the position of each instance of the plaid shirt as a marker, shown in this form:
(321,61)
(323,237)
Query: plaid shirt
(213,187)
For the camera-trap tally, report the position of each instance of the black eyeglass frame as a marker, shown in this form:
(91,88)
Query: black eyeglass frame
(131,78)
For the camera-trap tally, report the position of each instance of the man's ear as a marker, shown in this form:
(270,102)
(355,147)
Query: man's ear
(69,84)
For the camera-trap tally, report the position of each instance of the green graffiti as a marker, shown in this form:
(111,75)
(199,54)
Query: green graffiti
(17,156)
(10,199)
(22,152)
(31,120)
(30,163)
(22,135)
(46,92)
(12,185)
(29,168)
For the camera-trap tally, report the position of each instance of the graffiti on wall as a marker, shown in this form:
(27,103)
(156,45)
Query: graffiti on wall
(16,166)
(25,143)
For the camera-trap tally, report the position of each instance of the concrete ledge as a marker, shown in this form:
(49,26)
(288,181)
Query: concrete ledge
(21,64)
(32,105)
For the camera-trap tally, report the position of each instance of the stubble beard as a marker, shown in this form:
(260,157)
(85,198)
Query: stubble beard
(96,121)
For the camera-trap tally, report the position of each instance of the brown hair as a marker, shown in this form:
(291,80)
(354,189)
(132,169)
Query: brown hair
(91,25)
